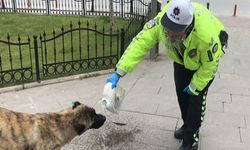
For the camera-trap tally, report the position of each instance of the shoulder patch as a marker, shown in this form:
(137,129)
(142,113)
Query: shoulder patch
(215,48)
(192,53)
(151,23)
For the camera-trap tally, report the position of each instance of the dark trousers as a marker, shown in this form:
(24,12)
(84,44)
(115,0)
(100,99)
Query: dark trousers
(192,107)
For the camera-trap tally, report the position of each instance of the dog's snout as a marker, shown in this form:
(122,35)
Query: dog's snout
(98,121)
(101,117)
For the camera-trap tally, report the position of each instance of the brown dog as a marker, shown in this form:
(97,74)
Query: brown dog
(45,131)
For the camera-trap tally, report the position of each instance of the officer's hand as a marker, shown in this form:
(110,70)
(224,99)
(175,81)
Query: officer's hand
(189,91)
(114,78)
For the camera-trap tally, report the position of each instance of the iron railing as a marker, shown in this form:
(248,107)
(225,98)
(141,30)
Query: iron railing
(79,49)
(15,62)
(76,50)
(79,54)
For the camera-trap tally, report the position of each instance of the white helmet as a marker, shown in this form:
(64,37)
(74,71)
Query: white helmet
(179,15)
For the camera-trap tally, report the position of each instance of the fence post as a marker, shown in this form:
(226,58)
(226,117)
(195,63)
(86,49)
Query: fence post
(14,5)
(0,63)
(3,5)
(83,8)
(111,13)
(92,7)
(121,8)
(131,6)
(235,10)
(122,42)
(142,21)
(208,4)
(154,51)
(1,76)
(48,8)
(36,58)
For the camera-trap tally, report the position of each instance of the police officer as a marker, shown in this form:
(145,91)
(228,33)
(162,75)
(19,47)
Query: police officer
(194,39)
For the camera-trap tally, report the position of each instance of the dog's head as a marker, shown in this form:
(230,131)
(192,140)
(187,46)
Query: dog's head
(86,118)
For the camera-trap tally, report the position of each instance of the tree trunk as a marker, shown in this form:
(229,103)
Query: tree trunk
(111,14)
(3,5)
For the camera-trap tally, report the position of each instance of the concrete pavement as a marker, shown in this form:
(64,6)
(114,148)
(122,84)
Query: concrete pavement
(150,108)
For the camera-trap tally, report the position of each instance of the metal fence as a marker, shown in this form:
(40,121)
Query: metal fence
(86,50)
(121,8)
(76,49)
(66,53)
(15,67)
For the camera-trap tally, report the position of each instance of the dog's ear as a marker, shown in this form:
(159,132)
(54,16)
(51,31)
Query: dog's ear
(75,104)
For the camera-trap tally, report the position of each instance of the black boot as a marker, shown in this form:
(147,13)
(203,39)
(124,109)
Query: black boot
(194,146)
(179,134)
(190,141)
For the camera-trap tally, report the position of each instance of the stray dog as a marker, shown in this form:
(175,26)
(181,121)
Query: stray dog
(46,131)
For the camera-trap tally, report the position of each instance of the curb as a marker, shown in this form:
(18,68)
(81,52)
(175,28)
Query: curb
(54,81)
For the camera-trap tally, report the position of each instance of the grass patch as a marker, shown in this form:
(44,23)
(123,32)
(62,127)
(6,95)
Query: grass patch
(28,24)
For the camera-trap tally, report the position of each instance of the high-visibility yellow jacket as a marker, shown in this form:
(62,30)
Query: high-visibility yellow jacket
(201,49)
